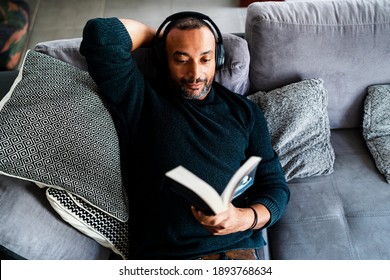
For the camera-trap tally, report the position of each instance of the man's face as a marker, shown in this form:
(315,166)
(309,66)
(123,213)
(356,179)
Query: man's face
(191,61)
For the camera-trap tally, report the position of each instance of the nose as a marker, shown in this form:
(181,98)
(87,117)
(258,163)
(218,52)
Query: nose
(193,70)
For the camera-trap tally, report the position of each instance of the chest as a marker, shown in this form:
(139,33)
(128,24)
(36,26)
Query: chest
(209,140)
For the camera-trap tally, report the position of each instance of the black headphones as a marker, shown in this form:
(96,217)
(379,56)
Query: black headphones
(159,41)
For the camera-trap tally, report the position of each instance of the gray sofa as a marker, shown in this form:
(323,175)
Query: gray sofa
(315,69)
(344,215)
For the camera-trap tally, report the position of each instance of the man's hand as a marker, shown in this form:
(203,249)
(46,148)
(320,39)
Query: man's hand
(232,220)
(141,34)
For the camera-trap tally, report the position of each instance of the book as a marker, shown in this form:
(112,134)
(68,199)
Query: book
(203,196)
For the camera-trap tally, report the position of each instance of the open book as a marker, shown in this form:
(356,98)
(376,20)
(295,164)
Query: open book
(205,197)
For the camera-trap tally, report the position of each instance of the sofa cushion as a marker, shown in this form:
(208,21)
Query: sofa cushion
(234,75)
(345,215)
(56,132)
(376,126)
(299,127)
(345,43)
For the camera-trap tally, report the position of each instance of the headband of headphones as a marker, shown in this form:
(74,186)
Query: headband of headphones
(169,22)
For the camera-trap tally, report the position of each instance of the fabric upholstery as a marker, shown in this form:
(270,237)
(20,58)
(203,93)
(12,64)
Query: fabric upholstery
(376,126)
(33,230)
(299,127)
(103,228)
(345,215)
(66,50)
(345,43)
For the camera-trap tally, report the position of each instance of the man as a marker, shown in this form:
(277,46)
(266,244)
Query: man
(183,118)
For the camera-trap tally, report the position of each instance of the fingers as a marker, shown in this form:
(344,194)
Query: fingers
(220,224)
(210,220)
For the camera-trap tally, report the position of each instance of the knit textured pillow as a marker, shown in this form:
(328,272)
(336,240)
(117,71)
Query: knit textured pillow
(376,126)
(56,132)
(299,126)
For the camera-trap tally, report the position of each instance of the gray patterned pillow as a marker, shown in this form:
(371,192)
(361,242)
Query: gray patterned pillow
(376,126)
(56,132)
(299,126)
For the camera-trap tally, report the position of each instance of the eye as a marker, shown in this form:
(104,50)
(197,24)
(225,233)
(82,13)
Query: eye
(181,60)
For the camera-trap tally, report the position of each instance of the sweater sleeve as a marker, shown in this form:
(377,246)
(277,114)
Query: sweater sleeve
(106,46)
(270,187)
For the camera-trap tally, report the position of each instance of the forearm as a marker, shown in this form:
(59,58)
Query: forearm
(261,218)
(141,34)
(234,219)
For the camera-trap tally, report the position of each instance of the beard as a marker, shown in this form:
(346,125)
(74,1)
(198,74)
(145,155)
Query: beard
(199,93)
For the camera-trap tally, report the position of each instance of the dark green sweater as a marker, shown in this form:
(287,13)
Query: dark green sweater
(159,130)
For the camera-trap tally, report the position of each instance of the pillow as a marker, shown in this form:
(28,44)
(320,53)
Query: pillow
(103,228)
(66,50)
(234,75)
(299,127)
(376,126)
(56,132)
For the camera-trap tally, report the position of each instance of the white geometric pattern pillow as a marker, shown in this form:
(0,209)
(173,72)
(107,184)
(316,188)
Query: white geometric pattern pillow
(56,132)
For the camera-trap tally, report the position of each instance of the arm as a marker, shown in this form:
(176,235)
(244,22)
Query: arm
(141,34)
(107,44)
(268,196)
(234,219)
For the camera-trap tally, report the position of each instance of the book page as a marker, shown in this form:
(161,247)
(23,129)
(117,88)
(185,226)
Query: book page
(206,192)
(242,177)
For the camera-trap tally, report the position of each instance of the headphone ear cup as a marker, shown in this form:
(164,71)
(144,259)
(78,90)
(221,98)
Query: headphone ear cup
(159,51)
(219,56)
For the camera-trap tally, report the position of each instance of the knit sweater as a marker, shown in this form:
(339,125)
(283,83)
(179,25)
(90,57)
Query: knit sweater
(158,130)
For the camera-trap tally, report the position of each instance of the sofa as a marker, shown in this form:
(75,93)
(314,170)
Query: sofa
(319,70)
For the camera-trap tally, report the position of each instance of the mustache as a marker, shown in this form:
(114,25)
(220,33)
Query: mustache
(193,80)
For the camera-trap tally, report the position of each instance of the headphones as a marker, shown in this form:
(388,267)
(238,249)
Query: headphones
(159,41)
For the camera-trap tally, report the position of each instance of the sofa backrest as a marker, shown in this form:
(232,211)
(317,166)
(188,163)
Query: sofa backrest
(345,43)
